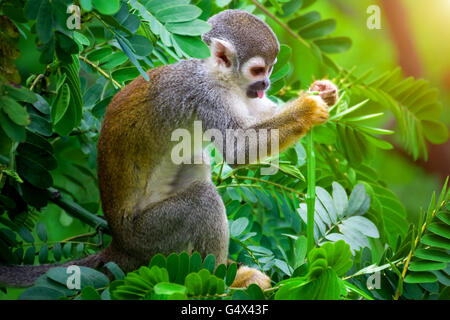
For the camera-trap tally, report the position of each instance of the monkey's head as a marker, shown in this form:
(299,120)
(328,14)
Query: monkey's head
(243,47)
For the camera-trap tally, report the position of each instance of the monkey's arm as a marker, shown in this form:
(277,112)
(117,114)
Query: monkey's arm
(254,143)
(287,126)
(294,120)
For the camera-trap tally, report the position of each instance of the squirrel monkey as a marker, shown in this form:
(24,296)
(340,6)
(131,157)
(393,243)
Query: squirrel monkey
(156,206)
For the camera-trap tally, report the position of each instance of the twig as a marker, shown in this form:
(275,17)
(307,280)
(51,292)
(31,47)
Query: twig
(78,211)
(238,185)
(282,24)
(272,183)
(101,71)
(35,81)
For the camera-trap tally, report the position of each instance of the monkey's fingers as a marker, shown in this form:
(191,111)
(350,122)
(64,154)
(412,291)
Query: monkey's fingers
(327,91)
(245,276)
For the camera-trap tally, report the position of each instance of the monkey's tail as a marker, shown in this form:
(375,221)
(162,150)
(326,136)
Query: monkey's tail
(24,276)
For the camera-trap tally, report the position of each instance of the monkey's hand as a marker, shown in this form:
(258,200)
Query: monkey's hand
(327,91)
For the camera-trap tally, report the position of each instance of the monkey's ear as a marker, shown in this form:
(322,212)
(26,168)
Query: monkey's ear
(222,52)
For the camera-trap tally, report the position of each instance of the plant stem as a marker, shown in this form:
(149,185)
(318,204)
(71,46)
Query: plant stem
(100,70)
(311,192)
(272,183)
(78,211)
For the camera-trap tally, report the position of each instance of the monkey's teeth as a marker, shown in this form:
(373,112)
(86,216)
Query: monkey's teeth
(260,94)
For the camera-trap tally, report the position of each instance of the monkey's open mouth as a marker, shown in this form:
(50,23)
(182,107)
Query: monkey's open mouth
(255,93)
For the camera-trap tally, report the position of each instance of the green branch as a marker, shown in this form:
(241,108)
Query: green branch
(78,211)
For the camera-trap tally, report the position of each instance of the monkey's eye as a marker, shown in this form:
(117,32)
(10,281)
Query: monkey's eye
(257,71)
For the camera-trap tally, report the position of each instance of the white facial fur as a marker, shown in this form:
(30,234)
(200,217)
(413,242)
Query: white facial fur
(251,63)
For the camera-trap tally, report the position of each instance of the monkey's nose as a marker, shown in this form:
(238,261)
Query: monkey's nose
(266,83)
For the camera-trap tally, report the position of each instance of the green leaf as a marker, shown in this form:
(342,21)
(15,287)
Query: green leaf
(158,260)
(26,234)
(178,13)
(291,7)
(37,154)
(238,226)
(156,5)
(15,111)
(61,104)
(324,134)
(300,251)
(382,144)
(89,293)
(357,198)
(20,93)
(193,47)
(41,231)
(255,292)
(283,57)
(141,45)
(231,274)
(127,50)
(304,20)
(29,255)
(43,254)
(12,130)
(40,125)
(115,270)
(34,173)
(44,24)
(340,199)
(349,110)
(436,132)
(435,241)
(363,225)
(99,54)
(173,262)
(67,249)
(32,9)
(426,266)
(108,7)
(195,262)
(433,255)
(57,251)
(189,28)
(113,61)
(167,288)
(209,263)
(86,5)
(420,277)
(221,271)
(334,45)
(193,283)
(318,29)
(439,230)
(40,293)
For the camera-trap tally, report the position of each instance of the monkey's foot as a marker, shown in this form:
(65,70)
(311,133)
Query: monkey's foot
(245,276)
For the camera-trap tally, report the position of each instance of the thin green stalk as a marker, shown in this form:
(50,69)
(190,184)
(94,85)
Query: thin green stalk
(78,211)
(311,192)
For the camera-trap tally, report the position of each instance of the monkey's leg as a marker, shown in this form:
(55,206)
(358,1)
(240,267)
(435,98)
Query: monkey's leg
(193,219)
